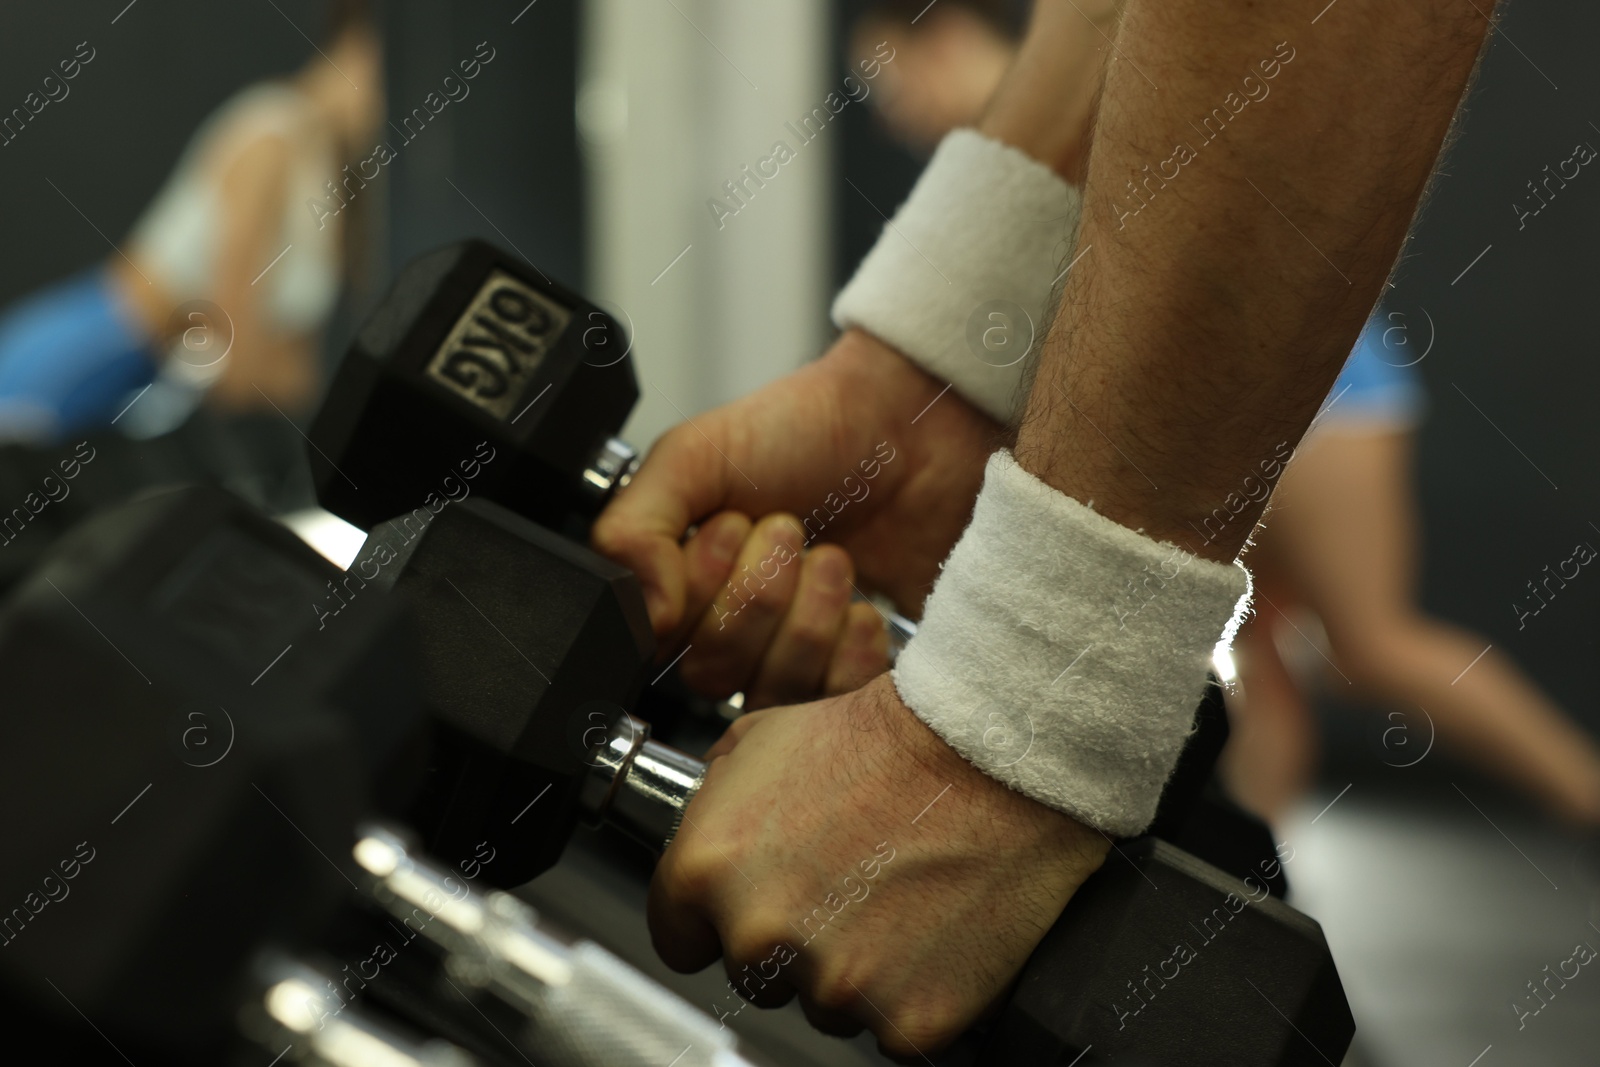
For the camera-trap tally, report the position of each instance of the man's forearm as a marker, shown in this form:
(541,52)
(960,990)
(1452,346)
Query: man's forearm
(1253,177)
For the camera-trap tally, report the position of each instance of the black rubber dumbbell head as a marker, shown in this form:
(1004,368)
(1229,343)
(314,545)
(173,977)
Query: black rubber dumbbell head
(1162,959)
(165,816)
(531,648)
(197,567)
(1197,815)
(473,346)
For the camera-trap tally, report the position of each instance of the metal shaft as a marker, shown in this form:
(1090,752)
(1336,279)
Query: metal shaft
(609,471)
(584,1007)
(639,785)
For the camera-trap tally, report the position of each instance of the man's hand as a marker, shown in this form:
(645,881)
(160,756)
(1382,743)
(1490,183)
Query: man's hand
(782,627)
(842,851)
(860,447)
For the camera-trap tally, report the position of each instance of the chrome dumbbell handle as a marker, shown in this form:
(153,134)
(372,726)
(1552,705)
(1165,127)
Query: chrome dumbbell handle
(639,785)
(660,784)
(302,1003)
(610,471)
(643,787)
(584,1007)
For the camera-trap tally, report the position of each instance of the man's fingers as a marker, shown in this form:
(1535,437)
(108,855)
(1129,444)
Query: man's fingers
(756,970)
(861,653)
(709,558)
(829,1021)
(683,479)
(796,660)
(731,638)
(654,555)
(774,622)
(679,909)
(683,937)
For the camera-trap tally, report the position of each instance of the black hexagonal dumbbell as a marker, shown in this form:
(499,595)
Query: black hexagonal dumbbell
(601,763)
(1197,815)
(242,588)
(1163,959)
(1085,988)
(481,570)
(477,376)
(174,787)
(532,649)
(1160,958)
(184,846)
(474,345)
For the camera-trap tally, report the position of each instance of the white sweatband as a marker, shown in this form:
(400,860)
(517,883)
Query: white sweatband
(1064,654)
(983,234)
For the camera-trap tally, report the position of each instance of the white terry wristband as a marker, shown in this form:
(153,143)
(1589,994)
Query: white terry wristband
(982,235)
(1064,654)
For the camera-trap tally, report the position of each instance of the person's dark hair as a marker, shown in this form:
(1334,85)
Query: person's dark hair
(348,14)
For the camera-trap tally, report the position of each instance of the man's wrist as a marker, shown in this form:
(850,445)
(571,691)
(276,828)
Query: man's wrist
(867,360)
(1067,840)
(1064,654)
(1149,484)
(865,366)
(960,279)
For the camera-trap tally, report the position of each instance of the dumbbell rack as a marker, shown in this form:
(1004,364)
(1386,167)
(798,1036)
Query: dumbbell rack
(398,706)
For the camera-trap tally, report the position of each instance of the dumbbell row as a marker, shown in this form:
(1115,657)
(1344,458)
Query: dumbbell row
(254,830)
(499,734)
(1102,943)
(443,299)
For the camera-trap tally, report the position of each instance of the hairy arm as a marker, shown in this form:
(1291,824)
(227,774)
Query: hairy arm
(1252,179)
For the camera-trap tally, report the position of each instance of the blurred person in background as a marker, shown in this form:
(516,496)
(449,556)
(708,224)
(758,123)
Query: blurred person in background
(949,59)
(194,304)
(1340,540)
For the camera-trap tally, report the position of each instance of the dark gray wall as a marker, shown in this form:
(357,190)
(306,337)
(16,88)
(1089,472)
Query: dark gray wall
(510,148)
(109,144)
